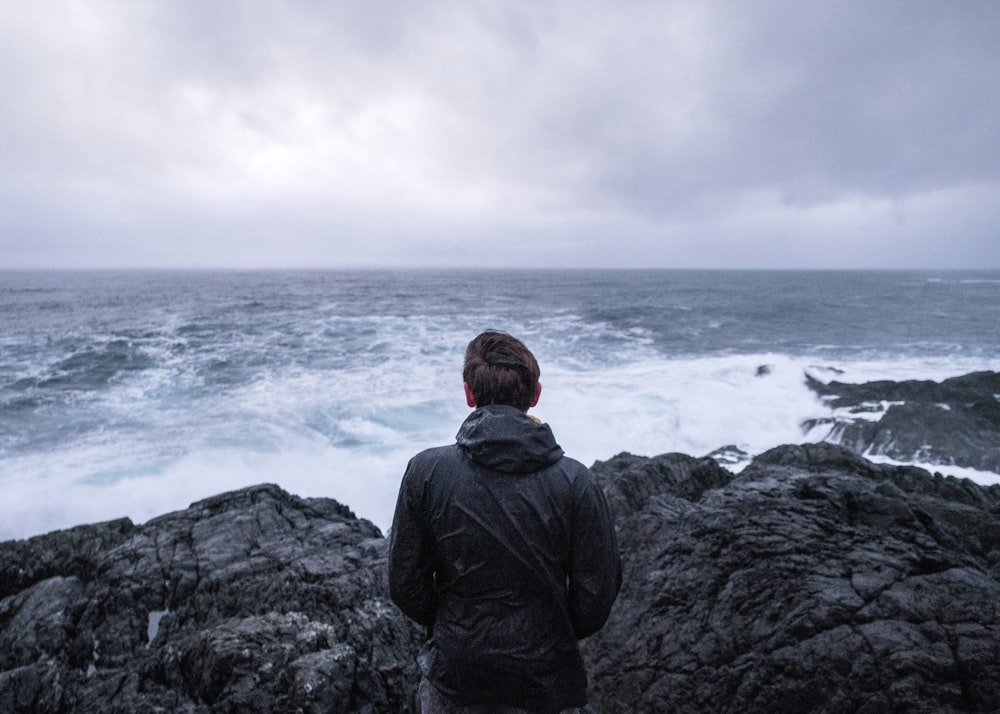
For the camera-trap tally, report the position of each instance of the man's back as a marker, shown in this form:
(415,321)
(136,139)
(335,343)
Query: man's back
(504,547)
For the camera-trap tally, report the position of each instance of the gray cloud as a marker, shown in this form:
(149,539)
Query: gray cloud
(770,134)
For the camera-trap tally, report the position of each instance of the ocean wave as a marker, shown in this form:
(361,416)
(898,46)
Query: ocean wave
(149,393)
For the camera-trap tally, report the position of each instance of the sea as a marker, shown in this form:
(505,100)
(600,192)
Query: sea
(136,393)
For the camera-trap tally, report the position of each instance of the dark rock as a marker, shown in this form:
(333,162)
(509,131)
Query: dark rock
(729,455)
(633,480)
(954,422)
(814,581)
(252,601)
(73,551)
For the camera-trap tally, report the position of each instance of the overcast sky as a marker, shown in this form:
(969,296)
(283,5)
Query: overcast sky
(296,133)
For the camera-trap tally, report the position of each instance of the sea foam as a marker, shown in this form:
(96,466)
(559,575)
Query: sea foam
(136,394)
(349,436)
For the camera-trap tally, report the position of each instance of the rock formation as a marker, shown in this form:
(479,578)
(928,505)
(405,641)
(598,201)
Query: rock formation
(252,601)
(956,421)
(813,581)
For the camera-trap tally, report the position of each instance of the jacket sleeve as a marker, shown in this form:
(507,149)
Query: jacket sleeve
(595,563)
(411,555)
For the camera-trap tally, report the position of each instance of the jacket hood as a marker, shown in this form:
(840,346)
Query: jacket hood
(506,439)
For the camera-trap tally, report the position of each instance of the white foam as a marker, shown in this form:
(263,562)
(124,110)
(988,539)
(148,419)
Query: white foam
(867,411)
(347,432)
(365,482)
(983,478)
(903,368)
(691,406)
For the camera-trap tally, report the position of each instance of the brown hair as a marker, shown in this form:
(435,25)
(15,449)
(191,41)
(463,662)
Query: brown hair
(499,369)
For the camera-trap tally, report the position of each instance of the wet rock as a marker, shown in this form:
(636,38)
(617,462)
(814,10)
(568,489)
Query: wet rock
(251,601)
(953,422)
(730,456)
(814,581)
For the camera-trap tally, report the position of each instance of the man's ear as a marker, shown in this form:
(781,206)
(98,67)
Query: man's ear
(470,398)
(538,393)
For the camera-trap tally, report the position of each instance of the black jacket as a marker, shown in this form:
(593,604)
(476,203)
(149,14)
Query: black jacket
(504,547)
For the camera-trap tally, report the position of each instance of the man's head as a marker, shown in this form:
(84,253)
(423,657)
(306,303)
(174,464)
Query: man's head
(499,369)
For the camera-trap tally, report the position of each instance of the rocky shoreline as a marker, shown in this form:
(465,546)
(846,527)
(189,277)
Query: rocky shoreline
(250,601)
(953,422)
(812,581)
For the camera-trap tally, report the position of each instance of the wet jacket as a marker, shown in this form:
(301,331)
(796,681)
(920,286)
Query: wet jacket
(505,549)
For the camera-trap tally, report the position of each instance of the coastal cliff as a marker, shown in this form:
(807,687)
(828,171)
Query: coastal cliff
(812,581)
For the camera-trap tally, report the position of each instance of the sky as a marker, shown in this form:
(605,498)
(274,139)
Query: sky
(566,134)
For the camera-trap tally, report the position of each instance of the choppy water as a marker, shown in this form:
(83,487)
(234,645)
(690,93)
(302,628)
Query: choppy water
(135,393)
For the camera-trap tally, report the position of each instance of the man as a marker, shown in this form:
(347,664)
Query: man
(504,548)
